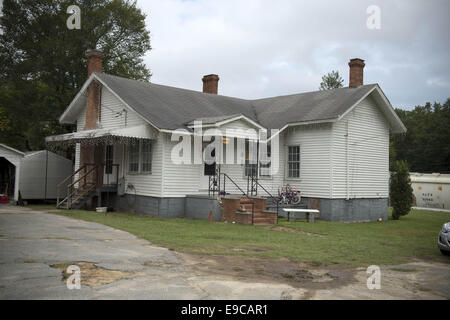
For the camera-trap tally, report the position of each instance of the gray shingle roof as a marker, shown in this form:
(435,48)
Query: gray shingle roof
(172,108)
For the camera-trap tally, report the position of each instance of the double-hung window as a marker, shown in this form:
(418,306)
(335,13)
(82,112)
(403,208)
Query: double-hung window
(140,157)
(146,156)
(133,160)
(293,162)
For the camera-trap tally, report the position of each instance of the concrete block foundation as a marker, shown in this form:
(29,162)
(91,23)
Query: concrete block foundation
(199,207)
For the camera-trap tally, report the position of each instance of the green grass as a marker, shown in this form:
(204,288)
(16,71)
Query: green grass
(358,244)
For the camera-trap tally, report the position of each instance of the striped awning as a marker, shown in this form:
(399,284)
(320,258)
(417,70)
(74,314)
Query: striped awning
(136,132)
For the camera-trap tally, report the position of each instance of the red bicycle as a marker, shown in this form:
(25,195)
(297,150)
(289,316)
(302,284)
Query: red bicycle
(288,195)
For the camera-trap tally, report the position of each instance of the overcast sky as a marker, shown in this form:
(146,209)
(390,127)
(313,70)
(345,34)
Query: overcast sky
(268,48)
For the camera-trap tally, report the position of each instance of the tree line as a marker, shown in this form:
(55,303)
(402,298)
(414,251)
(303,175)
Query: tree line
(426,144)
(43,63)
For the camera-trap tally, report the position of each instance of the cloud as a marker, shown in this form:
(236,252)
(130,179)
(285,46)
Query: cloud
(268,48)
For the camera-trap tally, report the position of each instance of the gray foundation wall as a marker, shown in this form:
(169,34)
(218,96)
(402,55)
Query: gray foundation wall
(354,209)
(199,207)
(195,207)
(150,206)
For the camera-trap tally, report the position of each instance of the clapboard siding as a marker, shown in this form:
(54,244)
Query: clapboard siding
(147,184)
(184,179)
(315,144)
(271,184)
(179,179)
(368,153)
(80,127)
(114,114)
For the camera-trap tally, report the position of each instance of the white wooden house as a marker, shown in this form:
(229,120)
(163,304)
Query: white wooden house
(333,145)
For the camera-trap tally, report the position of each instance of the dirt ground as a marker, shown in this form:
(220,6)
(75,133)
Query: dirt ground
(36,248)
(415,280)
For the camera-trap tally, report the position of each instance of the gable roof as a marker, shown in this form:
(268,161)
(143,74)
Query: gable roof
(20,153)
(172,108)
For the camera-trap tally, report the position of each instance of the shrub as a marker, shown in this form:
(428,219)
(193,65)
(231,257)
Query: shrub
(401,192)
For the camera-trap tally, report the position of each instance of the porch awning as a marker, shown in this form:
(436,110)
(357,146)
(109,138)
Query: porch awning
(136,132)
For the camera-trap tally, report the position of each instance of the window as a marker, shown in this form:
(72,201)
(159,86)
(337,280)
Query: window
(293,162)
(133,161)
(146,156)
(140,156)
(265,169)
(251,161)
(109,159)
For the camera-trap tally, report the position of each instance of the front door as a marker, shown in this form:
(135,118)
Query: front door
(110,170)
(207,171)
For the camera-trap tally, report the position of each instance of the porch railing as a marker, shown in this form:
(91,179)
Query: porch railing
(88,180)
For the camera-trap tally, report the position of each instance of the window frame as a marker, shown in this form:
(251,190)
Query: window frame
(130,153)
(288,162)
(139,158)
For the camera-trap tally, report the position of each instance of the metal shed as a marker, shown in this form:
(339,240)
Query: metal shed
(41,172)
(431,190)
(10,169)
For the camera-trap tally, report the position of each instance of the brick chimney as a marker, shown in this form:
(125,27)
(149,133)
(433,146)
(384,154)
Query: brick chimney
(356,72)
(95,59)
(210,83)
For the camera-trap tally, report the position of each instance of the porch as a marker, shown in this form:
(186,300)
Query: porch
(101,164)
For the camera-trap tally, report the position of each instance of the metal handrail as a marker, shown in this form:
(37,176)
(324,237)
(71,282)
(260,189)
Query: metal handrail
(270,195)
(227,176)
(243,193)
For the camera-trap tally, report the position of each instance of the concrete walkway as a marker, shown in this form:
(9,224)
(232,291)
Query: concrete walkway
(32,241)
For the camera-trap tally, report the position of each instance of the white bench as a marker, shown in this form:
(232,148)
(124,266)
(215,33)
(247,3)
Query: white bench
(310,213)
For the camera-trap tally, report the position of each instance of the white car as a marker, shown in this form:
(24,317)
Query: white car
(444,239)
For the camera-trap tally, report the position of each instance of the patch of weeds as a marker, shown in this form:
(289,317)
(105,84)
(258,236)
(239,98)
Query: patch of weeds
(259,271)
(287,275)
(405,269)
(30,261)
(237,269)
(423,288)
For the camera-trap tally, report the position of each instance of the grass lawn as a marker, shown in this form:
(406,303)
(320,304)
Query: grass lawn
(319,243)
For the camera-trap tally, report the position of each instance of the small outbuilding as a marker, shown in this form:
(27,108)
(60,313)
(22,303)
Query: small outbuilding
(10,160)
(41,172)
(32,175)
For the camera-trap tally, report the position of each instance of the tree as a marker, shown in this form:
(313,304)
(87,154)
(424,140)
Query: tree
(425,145)
(401,192)
(332,80)
(43,64)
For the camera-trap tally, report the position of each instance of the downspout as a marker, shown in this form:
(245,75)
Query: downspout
(347,162)
(46,175)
